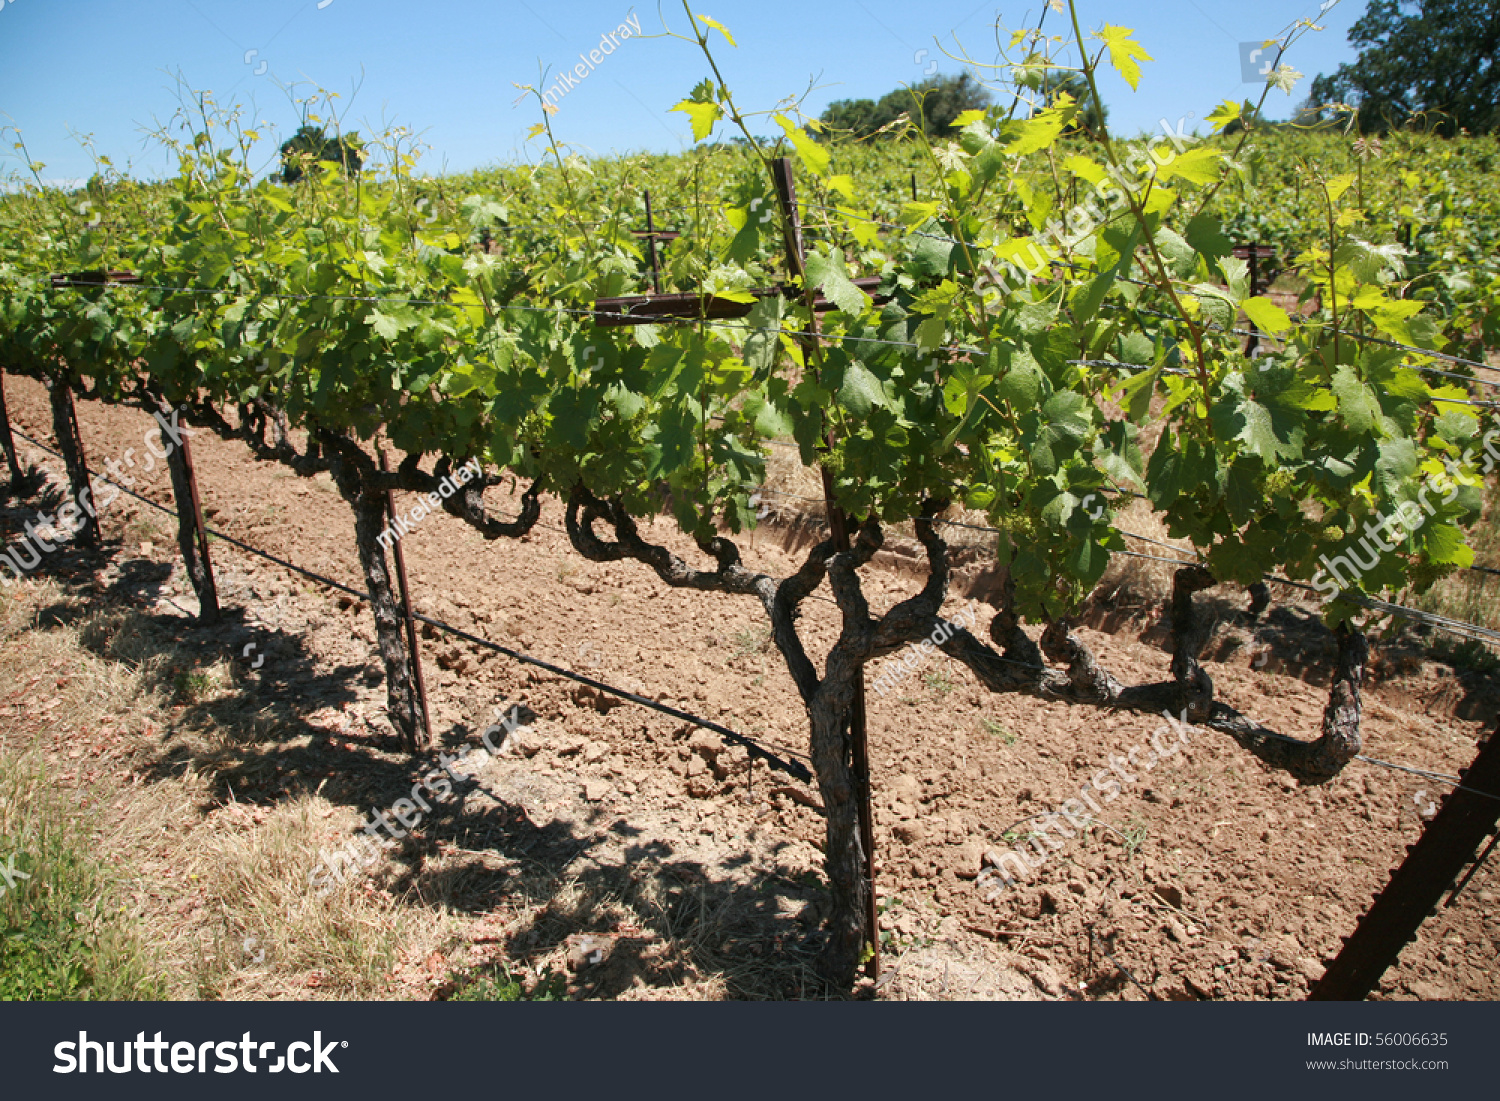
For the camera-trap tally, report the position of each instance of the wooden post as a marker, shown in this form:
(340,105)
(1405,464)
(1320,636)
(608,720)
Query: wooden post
(839,528)
(6,440)
(411,621)
(192,533)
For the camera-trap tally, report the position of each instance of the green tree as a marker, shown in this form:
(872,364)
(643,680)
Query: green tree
(934,103)
(943,99)
(857,116)
(1418,56)
(311,144)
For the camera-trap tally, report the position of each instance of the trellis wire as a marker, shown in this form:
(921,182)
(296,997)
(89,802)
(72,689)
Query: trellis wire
(1426,773)
(754,749)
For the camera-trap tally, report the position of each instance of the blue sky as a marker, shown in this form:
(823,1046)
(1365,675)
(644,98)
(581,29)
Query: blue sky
(448,68)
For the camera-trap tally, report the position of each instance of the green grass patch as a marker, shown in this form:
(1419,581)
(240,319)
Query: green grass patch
(61,939)
(502,986)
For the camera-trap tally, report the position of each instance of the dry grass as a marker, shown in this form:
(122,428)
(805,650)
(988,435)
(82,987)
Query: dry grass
(1141,581)
(100,707)
(198,816)
(62,930)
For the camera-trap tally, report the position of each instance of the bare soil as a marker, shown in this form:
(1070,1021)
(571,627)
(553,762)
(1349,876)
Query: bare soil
(1209,877)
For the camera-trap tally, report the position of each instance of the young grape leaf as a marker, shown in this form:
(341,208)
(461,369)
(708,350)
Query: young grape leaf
(1222,115)
(814,156)
(1199,166)
(1044,127)
(716,25)
(1266,315)
(1125,53)
(702,115)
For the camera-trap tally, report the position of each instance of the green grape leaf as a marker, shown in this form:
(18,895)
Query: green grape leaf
(764,339)
(626,402)
(1242,492)
(702,115)
(1222,115)
(1044,127)
(1444,544)
(1137,348)
(1134,393)
(1164,482)
(676,439)
(1125,53)
(1358,406)
(1021,385)
(716,25)
(1199,165)
(572,409)
(1266,315)
(1457,426)
(829,275)
(815,157)
(861,390)
(1206,235)
(1270,433)
(1066,413)
(1183,257)
(1396,464)
(772,423)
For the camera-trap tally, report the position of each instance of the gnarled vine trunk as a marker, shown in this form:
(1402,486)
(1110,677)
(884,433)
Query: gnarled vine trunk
(17,475)
(1013,664)
(830,713)
(402,703)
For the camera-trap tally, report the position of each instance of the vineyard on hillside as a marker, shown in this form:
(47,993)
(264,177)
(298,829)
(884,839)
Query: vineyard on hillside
(1017,332)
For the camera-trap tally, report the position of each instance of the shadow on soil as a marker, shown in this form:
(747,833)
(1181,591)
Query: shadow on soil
(651,920)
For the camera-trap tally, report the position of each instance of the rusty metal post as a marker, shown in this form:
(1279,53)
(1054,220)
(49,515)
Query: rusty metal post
(651,245)
(838,526)
(411,621)
(180,466)
(70,443)
(1468,816)
(1253,342)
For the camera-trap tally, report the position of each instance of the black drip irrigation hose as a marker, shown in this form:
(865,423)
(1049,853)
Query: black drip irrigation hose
(792,768)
